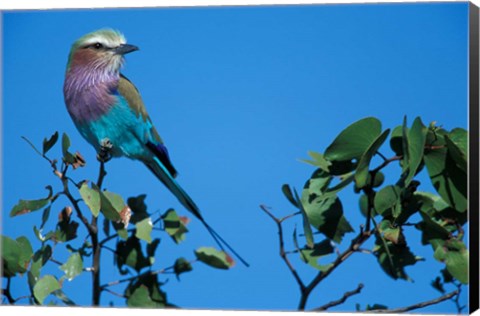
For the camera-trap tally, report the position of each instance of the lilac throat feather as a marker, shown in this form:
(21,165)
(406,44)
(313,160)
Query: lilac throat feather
(90,86)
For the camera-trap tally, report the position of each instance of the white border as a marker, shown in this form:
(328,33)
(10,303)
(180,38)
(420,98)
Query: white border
(44,4)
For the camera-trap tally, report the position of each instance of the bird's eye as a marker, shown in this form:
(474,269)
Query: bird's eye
(97,46)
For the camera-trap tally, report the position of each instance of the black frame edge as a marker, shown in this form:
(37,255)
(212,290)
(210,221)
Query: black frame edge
(473,157)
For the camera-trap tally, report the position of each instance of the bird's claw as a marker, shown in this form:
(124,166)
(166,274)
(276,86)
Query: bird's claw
(105,149)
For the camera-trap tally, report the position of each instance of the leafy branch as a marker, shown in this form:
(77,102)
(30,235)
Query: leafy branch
(18,256)
(386,208)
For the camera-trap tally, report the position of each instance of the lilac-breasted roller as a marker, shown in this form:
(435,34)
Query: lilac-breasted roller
(109,113)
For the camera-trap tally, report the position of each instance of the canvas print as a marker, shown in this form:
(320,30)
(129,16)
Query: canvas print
(283,158)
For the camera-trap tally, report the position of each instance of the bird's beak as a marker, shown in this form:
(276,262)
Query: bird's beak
(125,49)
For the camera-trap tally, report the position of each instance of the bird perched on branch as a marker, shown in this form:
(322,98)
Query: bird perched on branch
(109,113)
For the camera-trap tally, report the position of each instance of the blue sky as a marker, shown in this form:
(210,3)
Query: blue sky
(239,95)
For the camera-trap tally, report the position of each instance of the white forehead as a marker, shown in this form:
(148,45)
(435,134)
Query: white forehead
(107,37)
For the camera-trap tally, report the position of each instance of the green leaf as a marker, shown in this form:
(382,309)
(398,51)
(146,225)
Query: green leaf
(377,180)
(16,255)
(386,199)
(289,195)
(44,287)
(437,208)
(144,230)
(40,258)
(341,168)
(432,231)
(311,256)
(138,207)
(346,180)
(151,248)
(406,155)
(393,258)
(318,161)
(73,266)
(306,224)
(214,258)
(65,143)
(181,265)
(130,253)
(68,157)
(45,216)
(391,232)
(454,254)
(141,298)
(66,228)
(91,197)
(175,225)
(61,296)
(146,292)
(416,143)
(361,173)
(447,178)
(458,150)
(27,206)
(48,144)
(363,205)
(326,214)
(438,285)
(353,141)
(112,205)
(396,140)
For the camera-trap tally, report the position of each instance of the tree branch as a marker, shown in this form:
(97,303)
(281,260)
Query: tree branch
(97,247)
(160,271)
(283,253)
(354,247)
(418,305)
(341,300)
(6,292)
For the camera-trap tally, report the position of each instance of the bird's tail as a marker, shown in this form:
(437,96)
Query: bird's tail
(164,175)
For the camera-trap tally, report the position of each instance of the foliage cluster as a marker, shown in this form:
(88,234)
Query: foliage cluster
(388,208)
(128,225)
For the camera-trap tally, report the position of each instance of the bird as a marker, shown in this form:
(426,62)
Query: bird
(109,113)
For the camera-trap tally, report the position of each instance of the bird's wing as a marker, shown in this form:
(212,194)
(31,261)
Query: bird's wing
(131,94)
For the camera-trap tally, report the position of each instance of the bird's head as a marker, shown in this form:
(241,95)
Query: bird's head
(101,50)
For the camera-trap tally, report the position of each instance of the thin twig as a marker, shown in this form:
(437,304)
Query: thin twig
(108,248)
(382,156)
(283,253)
(418,305)
(55,261)
(115,293)
(457,299)
(386,163)
(22,297)
(160,271)
(341,300)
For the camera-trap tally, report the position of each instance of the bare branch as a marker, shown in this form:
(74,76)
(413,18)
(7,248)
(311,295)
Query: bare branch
(418,305)
(283,253)
(341,300)
(115,293)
